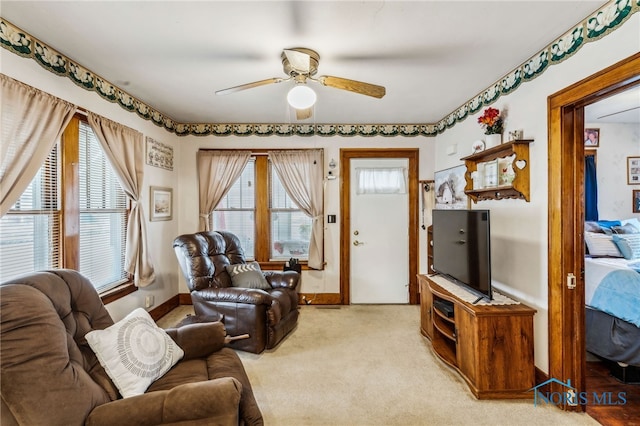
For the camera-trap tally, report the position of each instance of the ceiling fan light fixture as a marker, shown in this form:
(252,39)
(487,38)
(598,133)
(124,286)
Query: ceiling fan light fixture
(301,96)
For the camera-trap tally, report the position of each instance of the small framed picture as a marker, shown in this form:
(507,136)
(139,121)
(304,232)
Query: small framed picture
(491,173)
(633,170)
(591,138)
(636,200)
(161,204)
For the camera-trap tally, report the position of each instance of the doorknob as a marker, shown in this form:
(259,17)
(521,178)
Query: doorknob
(357,243)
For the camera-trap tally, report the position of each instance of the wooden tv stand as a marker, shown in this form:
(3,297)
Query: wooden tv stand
(491,346)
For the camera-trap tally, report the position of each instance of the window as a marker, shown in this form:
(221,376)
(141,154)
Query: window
(30,231)
(290,226)
(38,230)
(258,210)
(237,211)
(381,180)
(103,215)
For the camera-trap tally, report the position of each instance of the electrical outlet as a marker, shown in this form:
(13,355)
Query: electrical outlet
(148,301)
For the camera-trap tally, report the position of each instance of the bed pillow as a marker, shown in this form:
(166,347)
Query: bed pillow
(592,226)
(633,221)
(134,352)
(601,245)
(607,224)
(248,275)
(625,229)
(629,245)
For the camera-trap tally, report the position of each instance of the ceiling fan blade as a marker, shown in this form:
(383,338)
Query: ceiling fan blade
(250,85)
(303,114)
(299,61)
(353,86)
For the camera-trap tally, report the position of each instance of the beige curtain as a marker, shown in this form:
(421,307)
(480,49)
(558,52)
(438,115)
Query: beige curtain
(301,174)
(31,123)
(124,148)
(217,172)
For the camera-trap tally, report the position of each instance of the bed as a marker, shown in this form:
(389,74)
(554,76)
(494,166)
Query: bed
(612,299)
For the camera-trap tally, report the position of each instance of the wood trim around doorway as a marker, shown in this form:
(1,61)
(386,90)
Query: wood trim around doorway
(567,356)
(412,154)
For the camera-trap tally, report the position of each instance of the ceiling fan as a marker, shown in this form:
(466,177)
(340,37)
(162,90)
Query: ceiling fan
(301,64)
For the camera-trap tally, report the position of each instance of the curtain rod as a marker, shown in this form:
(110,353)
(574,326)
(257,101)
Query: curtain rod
(259,152)
(255,153)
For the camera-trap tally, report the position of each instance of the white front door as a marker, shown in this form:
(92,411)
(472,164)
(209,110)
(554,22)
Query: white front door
(379,239)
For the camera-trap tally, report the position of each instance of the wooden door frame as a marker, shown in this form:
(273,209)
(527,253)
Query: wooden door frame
(567,357)
(346,155)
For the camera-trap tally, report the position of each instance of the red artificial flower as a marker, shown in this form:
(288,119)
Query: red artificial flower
(491,121)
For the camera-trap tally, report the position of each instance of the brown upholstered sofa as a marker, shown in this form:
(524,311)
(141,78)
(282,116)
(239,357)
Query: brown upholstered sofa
(50,376)
(266,315)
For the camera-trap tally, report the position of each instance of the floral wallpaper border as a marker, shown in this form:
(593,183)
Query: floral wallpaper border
(598,25)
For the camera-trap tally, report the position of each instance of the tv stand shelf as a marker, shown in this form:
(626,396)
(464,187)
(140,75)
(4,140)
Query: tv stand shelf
(491,346)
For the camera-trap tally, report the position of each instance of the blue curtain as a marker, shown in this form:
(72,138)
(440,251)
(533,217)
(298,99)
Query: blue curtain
(590,189)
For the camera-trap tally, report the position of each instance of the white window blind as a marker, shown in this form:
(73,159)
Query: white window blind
(236,212)
(30,231)
(103,215)
(290,226)
(381,180)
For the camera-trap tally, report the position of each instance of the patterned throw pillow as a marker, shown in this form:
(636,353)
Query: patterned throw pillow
(247,275)
(134,352)
(629,245)
(601,245)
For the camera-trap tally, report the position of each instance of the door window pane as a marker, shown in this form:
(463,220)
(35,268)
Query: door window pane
(381,180)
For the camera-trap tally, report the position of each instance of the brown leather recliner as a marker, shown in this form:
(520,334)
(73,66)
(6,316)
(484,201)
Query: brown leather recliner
(50,375)
(267,316)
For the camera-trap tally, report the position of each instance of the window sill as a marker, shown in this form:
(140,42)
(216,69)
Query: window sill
(278,265)
(118,292)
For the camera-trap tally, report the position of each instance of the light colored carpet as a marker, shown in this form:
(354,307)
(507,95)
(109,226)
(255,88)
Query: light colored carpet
(369,365)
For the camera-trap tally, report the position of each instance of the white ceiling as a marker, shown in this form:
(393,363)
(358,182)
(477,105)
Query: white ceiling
(622,108)
(432,56)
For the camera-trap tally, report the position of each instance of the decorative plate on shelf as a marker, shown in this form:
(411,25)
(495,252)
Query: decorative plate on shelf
(477,146)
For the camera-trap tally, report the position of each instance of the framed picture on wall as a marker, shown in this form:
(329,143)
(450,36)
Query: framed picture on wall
(449,185)
(591,138)
(161,204)
(636,200)
(633,170)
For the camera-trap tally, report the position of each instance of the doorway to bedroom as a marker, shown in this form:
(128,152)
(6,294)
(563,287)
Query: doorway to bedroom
(612,333)
(567,354)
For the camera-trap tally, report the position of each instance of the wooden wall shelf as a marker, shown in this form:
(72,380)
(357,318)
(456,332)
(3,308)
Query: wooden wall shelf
(491,346)
(519,188)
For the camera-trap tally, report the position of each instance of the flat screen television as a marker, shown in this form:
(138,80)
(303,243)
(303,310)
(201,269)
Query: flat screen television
(462,249)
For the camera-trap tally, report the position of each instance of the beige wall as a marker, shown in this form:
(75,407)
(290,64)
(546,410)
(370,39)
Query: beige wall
(184,181)
(159,233)
(328,280)
(519,229)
